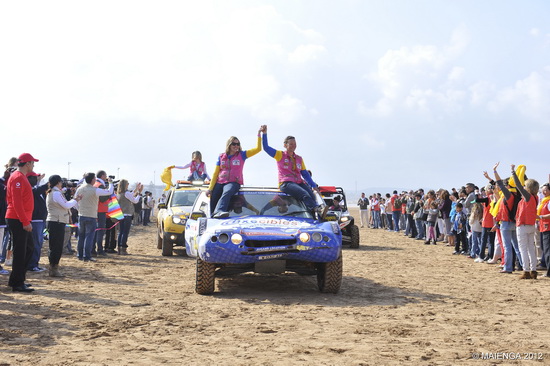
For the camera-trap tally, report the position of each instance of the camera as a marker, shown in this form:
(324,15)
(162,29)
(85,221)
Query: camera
(69,183)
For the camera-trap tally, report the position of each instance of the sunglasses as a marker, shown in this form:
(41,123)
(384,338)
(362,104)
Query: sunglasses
(235,144)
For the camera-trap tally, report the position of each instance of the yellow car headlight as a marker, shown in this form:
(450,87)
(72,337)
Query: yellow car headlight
(236,239)
(304,237)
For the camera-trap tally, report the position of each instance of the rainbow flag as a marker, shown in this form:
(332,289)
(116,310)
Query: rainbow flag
(71,225)
(114,211)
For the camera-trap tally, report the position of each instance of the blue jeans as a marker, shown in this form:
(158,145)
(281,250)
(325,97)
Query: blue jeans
(124,231)
(196,176)
(86,234)
(146,212)
(221,196)
(420,229)
(377,223)
(487,241)
(302,192)
(38,241)
(5,241)
(476,244)
(98,238)
(396,215)
(508,231)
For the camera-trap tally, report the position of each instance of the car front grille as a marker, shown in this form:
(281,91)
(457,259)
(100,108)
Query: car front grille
(268,243)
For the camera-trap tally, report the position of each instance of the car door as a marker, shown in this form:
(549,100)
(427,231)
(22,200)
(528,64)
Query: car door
(201,208)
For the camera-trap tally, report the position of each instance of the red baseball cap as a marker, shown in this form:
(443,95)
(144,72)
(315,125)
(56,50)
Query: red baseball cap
(26,157)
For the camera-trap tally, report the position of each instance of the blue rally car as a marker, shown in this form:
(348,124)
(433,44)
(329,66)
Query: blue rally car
(267,231)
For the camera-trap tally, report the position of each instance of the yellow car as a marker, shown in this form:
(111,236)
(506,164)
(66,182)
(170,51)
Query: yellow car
(172,216)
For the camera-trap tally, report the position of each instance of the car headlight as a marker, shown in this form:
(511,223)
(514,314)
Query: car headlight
(344,219)
(304,237)
(335,227)
(179,220)
(236,239)
(317,237)
(223,238)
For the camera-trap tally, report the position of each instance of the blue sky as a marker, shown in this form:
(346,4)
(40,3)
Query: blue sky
(378,93)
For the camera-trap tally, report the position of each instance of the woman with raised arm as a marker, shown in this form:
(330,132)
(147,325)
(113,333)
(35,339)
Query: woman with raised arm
(228,175)
(526,219)
(293,174)
(507,219)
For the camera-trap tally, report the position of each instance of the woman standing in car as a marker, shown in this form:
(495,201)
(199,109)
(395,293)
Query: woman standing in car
(228,175)
(293,174)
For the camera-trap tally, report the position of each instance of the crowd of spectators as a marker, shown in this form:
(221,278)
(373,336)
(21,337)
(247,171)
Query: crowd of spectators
(60,210)
(505,222)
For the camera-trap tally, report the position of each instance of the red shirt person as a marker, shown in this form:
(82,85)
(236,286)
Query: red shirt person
(18,217)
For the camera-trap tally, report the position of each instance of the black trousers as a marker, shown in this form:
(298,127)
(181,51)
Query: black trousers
(461,238)
(111,234)
(23,247)
(57,236)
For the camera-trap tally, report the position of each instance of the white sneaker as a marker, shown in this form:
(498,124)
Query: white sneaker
(478,260)
(221,215)
(38,269)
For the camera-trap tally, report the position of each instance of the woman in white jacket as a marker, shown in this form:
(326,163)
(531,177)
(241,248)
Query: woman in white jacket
(58,218)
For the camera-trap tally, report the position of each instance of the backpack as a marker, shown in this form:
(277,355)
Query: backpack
(397,204)
(512,212)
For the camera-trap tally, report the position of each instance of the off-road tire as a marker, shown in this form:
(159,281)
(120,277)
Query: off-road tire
(159,238)
(354,234)
(205,277)
(329,276)
(167,247)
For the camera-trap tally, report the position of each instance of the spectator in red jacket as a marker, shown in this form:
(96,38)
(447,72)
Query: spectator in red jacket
(18,216)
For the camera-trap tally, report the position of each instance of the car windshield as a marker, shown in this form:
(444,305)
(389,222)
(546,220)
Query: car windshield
(184,198)
(254,203)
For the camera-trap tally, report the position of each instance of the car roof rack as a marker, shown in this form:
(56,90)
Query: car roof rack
(186,183)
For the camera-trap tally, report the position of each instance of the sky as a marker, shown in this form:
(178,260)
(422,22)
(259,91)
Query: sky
(395,93)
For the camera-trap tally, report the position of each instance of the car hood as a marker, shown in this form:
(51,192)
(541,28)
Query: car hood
(181,210)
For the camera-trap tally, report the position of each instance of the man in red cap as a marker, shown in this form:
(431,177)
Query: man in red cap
(18,216)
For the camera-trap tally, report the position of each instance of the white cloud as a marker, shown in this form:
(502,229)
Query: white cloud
(417,77)
(305,53)
(528,96)
(285,111)
(373,142)
(534,32)
(456,74)
(480,92)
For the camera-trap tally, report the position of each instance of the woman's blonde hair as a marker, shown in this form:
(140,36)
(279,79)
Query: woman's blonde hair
(477,211)
(122,186)
(228,144)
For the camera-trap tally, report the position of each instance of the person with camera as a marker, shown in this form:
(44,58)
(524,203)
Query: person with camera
(126,199)
(57,220)
(87,214)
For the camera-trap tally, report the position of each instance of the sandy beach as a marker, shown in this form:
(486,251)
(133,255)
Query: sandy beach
(401,302)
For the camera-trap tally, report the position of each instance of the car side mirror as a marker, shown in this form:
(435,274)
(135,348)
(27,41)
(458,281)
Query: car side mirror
(161,206)
(197,214)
